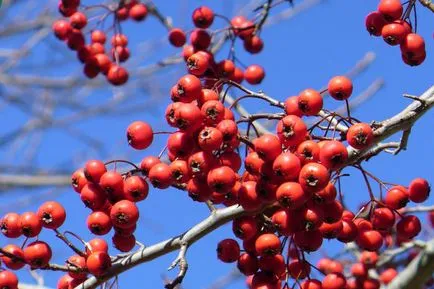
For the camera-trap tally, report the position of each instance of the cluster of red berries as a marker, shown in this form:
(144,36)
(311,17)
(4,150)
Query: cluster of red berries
(37,254)
(267,262)
(111,197)
(288,172)
(358,271)
(94,260)
(200,61)
(286,186)
(390,22)
(94,55)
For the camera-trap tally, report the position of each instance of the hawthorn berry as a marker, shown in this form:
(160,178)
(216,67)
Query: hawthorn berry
(117,75)
(31,224)
(160,176)
(247,264)
(254,74)
(135,188)
(99,223)
(61,29)
(313,177)
(93,170)
(397,197)
(248,196)
(96,245)
(267,244)
(360,135)
(138,12)
(37,254)
(334,281)
(418,190)
(200,39)
(203,17)
(78,262)
(228,250)
(124,214)
(391,9)
(124,243)
(253,44)
(98,36)
(340,87)
(52,215)
(140,135)
(11,225)
(13,263)
(221,179)
(98,262)
(375,22)
(8,280)
(310,102)
(408,227)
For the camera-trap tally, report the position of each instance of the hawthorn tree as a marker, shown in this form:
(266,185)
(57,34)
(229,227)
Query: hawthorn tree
(277,174)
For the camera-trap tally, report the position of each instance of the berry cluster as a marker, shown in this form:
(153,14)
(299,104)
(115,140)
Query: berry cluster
(393,23)
(94,55)
(288,181)
(200,61)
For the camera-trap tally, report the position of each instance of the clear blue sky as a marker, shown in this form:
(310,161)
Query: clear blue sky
(302,52)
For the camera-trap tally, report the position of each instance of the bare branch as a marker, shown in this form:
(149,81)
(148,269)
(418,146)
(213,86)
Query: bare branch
(181,261)
(428,4)
(418,272)
(219,218)
(402,121)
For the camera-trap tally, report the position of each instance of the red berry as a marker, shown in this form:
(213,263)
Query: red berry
(61,29)
(340,87)
(333,154)
(360,135)
(203,17)
(99,223)
(254,74)
(37,254)
(334,281)
(52,214)
(160,176)
(391,9)
(11,225)
(8,280)
(374,23)
(124,243)
(419,190)
(138,12)
(267,244)
(408,227)
(310,102)
(98,36)
(253,44)
(117,75)
(13,263)
(78,20)
(93,170)
(31,225)
(370,240)
(200,39)
(177,37)
(140,135)
(98,263)
(228,250)
(124,214)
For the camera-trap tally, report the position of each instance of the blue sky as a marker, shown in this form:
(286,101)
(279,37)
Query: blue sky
(305,51)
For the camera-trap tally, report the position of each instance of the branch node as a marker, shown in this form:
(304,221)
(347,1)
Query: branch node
(181,261)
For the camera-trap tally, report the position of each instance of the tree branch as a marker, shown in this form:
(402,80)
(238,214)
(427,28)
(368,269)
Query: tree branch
(215,220)
(418,272)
